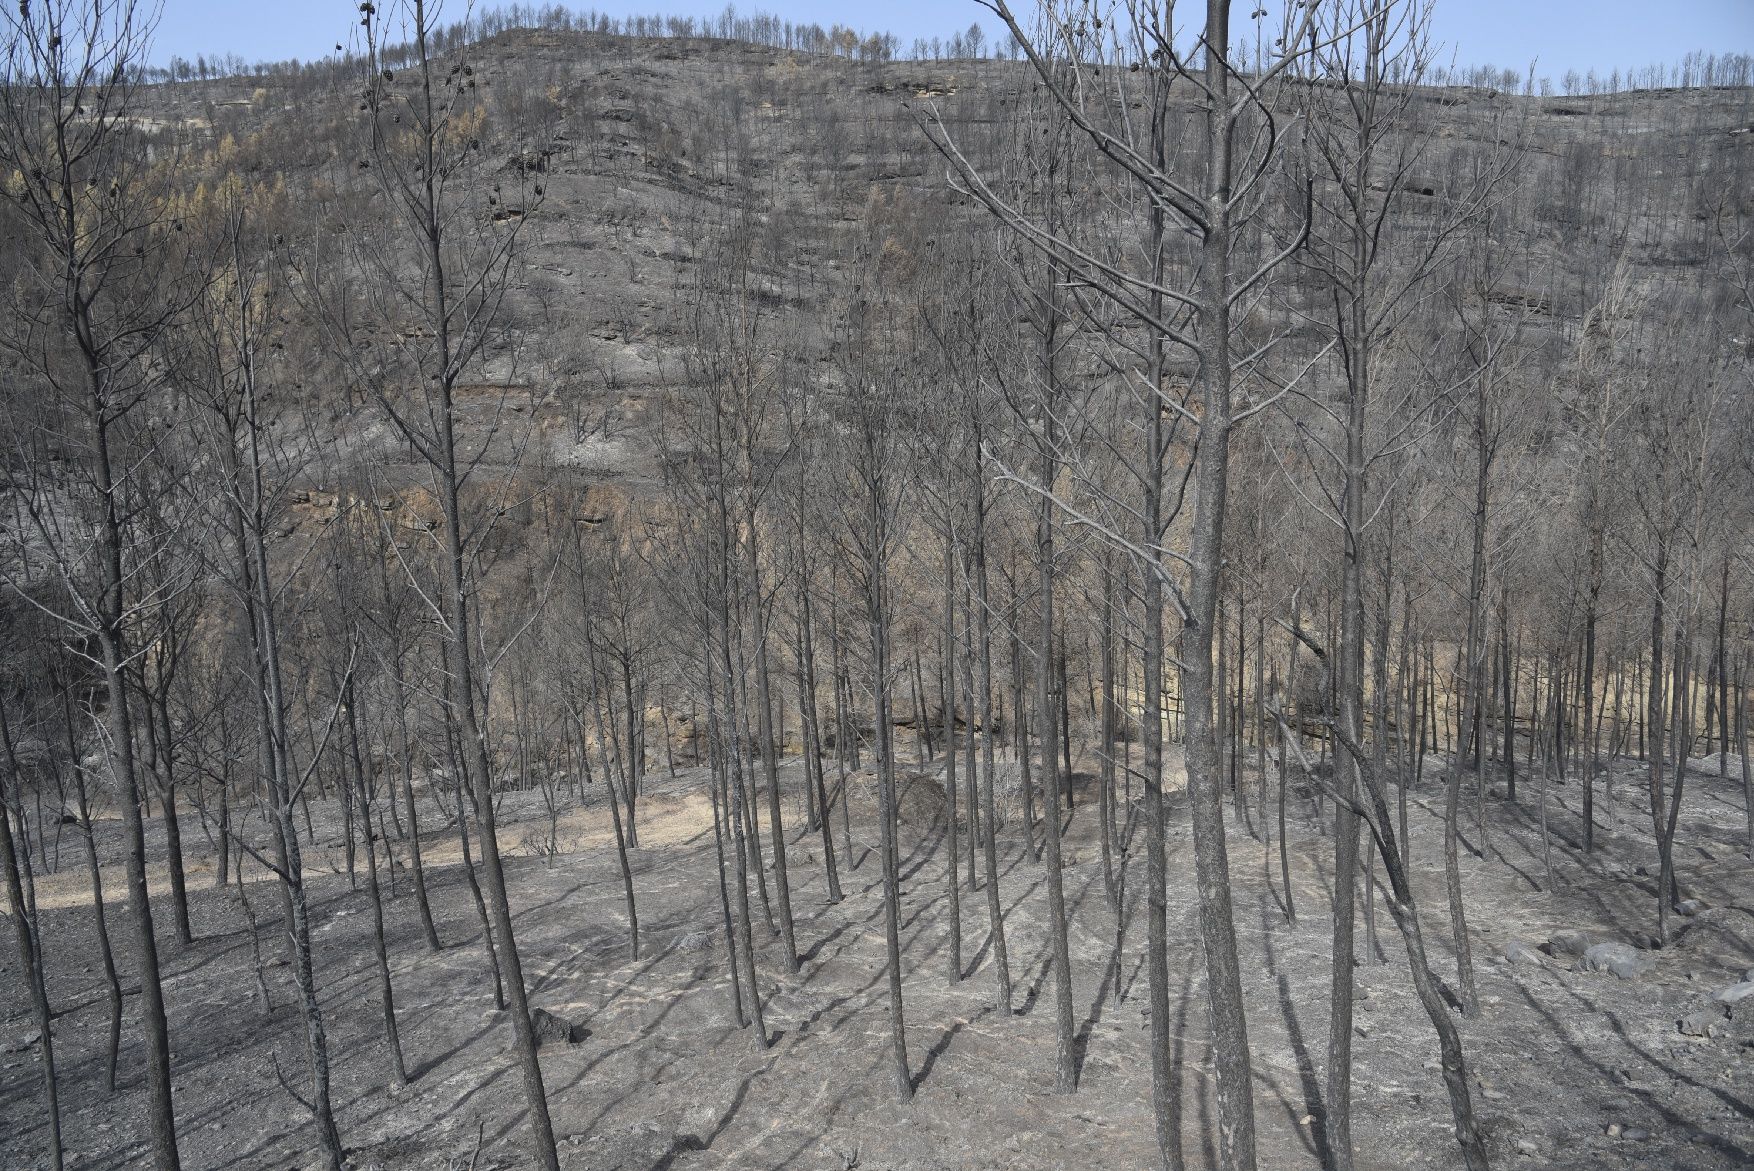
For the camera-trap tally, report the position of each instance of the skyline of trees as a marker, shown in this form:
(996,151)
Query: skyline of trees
(1700,68)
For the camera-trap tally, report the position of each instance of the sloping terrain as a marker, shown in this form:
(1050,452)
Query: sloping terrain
(648,150)
(1573,1069)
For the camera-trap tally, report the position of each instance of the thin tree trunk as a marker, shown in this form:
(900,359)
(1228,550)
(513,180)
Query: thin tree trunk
(24,921)
(386,990)
(1291,693)
(598,701)
(1682,732)
(1742,743)
(100,915)
(989,809)
(731,727)
(971,770)
(1472,656)
(1106,737)
(1413,737)
(1065,1062)
(1723,676)
(1065,716)
(1020,741)
(952,857)
(717,786)
(813,741)
(635,769)
(159,705)
(1507,692)
(843,727)
(776,828)
(743,774)
(1655,718)
(922,723)
(876,602)
(460,772)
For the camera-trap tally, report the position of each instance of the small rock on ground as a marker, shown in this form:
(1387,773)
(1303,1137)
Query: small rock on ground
(1701,1022)
(1519,953)
(1737,993)
(1624,961)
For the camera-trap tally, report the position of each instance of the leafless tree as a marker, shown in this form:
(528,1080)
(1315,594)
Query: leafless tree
(867,419)
(104,277)
(1198,304)
(444,232)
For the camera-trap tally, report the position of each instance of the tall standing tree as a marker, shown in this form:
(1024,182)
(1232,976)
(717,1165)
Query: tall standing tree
(105,276)
(1197,302)
(1360,153)
(223,368)
(870,427)
(435,251)
(26,926)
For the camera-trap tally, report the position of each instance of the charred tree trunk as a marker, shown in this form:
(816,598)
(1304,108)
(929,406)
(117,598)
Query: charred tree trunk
(386,990)
(24,922)
(952,857)
(813,741)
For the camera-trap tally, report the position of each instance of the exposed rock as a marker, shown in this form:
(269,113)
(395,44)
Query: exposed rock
(1737,993)
(1521,954)
(695,941)
(1690,907)
(20,1044)
(1569,942)
(551,1027)
(1703,1022)
(1625,961)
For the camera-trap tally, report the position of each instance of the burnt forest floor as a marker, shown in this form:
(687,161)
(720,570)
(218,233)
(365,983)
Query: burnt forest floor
(1570,1068)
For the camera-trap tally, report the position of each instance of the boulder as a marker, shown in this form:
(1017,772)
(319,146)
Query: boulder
(1703,1022)
(1569,942)
(551,1028)
(1623,960)
(1521,954)
(1735,994)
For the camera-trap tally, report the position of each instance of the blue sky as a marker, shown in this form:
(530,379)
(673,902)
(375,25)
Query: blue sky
(1560,34)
